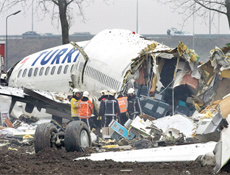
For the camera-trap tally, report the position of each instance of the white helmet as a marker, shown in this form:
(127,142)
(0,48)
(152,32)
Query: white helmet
(131,91)
(112,92)
(103,92)
(85,94)
(75,90)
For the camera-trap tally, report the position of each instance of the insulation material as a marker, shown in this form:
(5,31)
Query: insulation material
(225,73)
(224,107)
(213,108)
(218,57)
(188,54)
(207,72)
(178,78)
(189,80)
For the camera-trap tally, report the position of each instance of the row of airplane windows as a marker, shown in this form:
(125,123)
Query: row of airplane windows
(100,77)
(40,72)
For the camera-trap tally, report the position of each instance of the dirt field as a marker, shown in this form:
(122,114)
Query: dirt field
(22,160)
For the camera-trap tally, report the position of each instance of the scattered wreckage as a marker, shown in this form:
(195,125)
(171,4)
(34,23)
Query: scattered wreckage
(183,100)
(74,137)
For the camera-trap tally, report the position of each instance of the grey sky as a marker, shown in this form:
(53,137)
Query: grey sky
(154,18)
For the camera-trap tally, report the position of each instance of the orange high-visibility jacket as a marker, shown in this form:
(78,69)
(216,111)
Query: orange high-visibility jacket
(85,109)
(123,104)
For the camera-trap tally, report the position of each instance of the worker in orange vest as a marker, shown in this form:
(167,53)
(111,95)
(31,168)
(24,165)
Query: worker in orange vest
(123,105)
(85,108)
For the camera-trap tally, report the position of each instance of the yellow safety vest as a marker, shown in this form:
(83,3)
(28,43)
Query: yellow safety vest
(74,107)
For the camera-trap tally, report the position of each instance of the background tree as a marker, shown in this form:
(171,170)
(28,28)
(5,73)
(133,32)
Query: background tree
(199,7)
(58,9)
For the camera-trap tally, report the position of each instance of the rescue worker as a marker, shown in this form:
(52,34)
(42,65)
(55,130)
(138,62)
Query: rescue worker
(85,109)
(75,103)
(104,95)
(134,107)
(123,105)
(109,109)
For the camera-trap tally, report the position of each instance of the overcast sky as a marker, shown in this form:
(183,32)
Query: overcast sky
(154,18)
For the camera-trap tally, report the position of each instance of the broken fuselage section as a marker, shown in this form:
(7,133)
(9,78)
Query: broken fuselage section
(165,79)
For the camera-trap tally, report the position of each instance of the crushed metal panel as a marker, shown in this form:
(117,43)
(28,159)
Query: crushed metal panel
(220,58)
(207,72)
(222,150)
(207,93)
(188,152)
(121,130)
(188,54)
(208,129)
(182,123)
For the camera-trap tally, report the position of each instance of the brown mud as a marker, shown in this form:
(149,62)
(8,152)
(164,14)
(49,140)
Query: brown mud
(15,159)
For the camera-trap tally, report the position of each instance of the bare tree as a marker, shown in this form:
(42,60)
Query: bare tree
(50,7)
(187,7)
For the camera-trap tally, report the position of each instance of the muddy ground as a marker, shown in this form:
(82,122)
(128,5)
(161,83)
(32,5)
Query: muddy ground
(17,159)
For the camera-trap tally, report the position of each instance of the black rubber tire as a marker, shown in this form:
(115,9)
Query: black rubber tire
(73,133)
(42,136)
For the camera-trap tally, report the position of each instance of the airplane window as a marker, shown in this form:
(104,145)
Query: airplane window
(35,71)
(80,67)
(110,82)
(71,68)
(96,74)
(53,70)
(24,73)
(91,72)
(59,69)
(66,69)
(117,84)
(99,76)
(103,78)
(86,70)
(30,72)
(106,80)
(19,73)
(47,70)
(41,71)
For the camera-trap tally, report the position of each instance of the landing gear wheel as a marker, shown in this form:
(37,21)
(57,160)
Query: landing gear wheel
(77,136)
(44,137)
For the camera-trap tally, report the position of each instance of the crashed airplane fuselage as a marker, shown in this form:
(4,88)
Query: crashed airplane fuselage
(117,59)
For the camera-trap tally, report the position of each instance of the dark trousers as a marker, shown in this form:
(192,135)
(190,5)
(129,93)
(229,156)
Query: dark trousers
(123,118)
(75,118)
(107,119)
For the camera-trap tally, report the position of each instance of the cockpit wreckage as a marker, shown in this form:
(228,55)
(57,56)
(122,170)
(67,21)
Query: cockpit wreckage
(184,101)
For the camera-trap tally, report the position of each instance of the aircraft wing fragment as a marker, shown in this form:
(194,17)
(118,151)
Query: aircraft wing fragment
(38,99)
